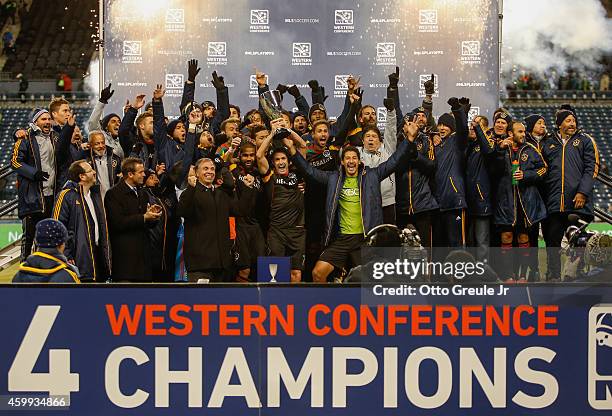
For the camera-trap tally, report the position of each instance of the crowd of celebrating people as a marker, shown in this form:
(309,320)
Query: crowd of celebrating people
(145,198)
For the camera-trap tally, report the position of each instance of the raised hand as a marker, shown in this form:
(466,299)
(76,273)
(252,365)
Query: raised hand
(192,70)
(139,102)
(410,129)
(217,81)
(389,104)
(72,119)
(106,94)
(313,84)
(294,91)
(158,93)
(352,83)
(430,86)
(454,103)
(282,88)
(260,77)
(465,103)
(394,78)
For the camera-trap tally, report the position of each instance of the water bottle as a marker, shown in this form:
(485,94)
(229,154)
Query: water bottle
(515,167)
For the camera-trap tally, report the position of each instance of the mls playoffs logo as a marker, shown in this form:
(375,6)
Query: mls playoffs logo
(385,53)
(343,21)
(302,53)
(260,21)
(470,51)
(174,85)
(423,78)
(175,20)
(428,21)
(217,53)
(132,52)
(600,357)
(340,85)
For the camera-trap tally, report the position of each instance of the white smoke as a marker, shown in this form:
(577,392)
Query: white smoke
(541,35)
(91,81)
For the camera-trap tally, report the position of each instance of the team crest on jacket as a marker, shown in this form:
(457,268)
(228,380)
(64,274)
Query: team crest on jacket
(419,146)
(552,146)
(326,153)
(524,157)
(576,142)
(477,148)
(114,163)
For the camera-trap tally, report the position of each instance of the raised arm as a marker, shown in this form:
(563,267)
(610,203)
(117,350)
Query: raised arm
(189,87)
(405,151)
(223,111)
(390,134)
(303,166)
(127,123)
(159,120)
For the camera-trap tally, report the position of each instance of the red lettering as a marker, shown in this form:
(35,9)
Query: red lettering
(502,323)
(312,320)
(467,319)
(418,319)
(254,315)
(287,322)
(368,320)
(349,311)
(544,319)
(125,318)
(205,311)
(516,320)
(151,319)
(186,326)
(446,321)
(394,319)
(225,319)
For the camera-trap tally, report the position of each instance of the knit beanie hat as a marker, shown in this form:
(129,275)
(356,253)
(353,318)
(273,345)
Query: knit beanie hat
(172,125)
(189,107)
(448,120)
(504,116)
(316,106)
(531,120)
(36,113)
(564,112)
(50,233)
(106,119)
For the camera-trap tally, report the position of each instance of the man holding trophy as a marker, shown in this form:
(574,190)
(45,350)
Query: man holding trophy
(286,233)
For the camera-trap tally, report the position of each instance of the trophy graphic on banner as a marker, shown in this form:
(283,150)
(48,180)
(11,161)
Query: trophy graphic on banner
(273,268)
(271,104)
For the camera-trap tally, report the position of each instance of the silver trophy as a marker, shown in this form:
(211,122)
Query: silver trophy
(271,103)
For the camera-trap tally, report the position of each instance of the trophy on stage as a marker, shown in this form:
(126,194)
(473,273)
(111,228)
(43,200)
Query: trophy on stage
(271,104)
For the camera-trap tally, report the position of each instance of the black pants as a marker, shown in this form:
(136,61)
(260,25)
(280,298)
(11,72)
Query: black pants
(534,264)
(29,227)
(553,228)
(449,229)
(389,214)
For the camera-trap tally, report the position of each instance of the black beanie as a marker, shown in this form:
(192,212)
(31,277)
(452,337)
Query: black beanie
(564,112)
(107,118)
(172,125)
(316,106)
(448,120)
(531,120)
(504,116)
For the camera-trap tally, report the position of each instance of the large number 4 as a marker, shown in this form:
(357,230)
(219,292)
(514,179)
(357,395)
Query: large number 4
(59,381)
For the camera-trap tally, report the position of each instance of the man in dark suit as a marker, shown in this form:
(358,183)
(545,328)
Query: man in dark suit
(129,218)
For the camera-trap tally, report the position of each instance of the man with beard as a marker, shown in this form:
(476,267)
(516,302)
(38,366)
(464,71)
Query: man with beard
(286,234)
(353,205)
(573,164)
(79,207)
(323,155)
(106,163)
(231,133)
(38,155)
(249,237)
(449,177)
(168,140)
(142,146)
(130,215)
(206,209)
(108,124)
(519,204)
